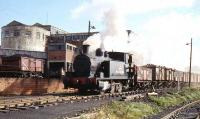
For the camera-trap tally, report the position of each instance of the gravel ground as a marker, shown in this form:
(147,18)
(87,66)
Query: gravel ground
(58,111)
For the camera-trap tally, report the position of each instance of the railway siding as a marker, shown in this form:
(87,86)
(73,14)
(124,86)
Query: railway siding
(176,113)
(22,103)
(167,105)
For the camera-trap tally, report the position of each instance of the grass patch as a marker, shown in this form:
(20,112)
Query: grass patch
(125,110)
(138,110)
(176,98)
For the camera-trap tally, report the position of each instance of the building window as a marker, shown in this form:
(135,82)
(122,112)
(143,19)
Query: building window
(28,33)
(59,47)
(7,34)
(38,35)
(69,38)
(81,37)
(16,33)
(75,37)
(69,47)
(75,49)
(56,47)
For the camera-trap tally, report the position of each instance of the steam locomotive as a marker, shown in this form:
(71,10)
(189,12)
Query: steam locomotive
(104,71)
(115,72)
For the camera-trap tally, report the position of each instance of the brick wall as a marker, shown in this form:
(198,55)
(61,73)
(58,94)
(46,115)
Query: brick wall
(57,55)
(22,86)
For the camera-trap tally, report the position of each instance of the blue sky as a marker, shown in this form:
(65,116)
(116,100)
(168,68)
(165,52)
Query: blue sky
(60,13)
(31,11)
(162,26)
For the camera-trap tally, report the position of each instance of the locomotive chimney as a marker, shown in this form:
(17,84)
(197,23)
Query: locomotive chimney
(85,49)
(99,52)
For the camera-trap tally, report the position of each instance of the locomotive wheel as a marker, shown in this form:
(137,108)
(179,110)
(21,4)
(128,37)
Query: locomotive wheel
(116,87)
(82,91)
(112,90)
(119,88)
(102,92)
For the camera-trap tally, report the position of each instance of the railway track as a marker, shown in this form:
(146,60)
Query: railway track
(36,102)
(56,105)
(188,111)
(24,102)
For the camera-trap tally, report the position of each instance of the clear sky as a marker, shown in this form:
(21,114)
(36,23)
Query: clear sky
(164,26)
(54,12)
(73,15)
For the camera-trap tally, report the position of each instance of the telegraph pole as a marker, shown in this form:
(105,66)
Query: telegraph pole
(190,68)
(90,27)
(190,63)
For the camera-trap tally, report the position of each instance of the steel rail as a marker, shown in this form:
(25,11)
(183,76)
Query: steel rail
(172,115)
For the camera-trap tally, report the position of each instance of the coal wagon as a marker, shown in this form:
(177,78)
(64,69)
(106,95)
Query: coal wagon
(21,66)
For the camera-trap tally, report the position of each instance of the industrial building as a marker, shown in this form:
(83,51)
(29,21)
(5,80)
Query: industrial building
(57,47)
(54,46)
(60,56)
(74,38)
(61,50)
(19,36)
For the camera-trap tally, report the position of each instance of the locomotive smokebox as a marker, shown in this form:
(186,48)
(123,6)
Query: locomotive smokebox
(85,49)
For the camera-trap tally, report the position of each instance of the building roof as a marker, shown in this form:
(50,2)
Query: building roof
(60,38)
(15,23)
(75,33)
(49,27)
(37,24)
(46,27)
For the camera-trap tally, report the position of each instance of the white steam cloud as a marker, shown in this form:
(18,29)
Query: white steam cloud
(115,38)
(160,39)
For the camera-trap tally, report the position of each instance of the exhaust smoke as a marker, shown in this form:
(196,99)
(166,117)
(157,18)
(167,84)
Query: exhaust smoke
(114,37)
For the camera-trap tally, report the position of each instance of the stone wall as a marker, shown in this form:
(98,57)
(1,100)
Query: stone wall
(29,86)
